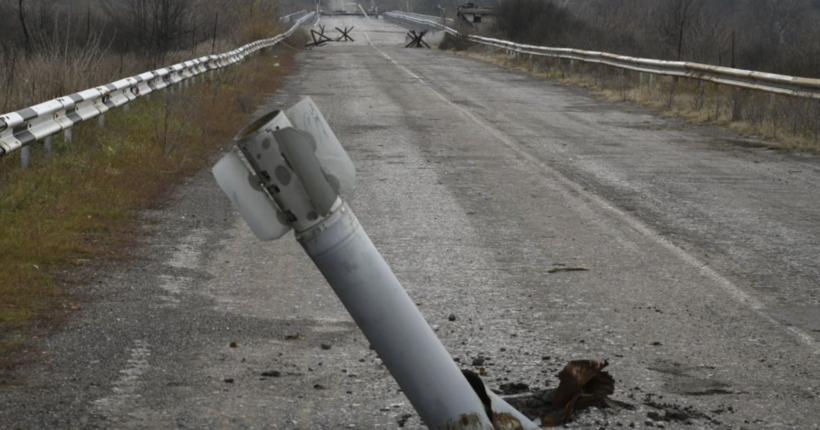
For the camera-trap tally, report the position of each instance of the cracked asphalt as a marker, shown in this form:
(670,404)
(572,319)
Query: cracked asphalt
(475,182)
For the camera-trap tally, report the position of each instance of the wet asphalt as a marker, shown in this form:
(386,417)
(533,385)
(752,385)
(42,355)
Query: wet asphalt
(476,183)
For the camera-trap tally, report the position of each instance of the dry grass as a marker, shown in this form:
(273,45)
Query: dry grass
(79,207)
(55,70)
(783,122)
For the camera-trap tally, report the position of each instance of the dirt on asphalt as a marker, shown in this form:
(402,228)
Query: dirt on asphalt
(476,184)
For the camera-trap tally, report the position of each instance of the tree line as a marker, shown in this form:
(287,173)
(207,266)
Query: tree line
(51,48)
(150,27)
(779,36)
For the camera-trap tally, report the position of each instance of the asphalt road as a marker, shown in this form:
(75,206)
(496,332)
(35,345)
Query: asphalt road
(474,182)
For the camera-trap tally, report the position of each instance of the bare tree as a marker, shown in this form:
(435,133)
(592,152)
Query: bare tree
(21,13)
(672,20)
(538,22)
(253,19)
(777,19)
(157,26)
(708,38)
(623,23)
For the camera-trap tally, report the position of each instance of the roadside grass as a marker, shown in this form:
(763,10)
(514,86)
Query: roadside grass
(79,207)
(775,121)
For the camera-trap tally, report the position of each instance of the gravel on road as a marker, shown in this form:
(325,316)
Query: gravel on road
(531,223)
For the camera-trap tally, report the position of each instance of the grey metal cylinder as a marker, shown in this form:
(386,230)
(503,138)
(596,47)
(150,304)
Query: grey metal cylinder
(391,322)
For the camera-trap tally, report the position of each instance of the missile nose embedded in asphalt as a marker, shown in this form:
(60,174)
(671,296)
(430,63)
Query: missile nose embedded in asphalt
(295,171)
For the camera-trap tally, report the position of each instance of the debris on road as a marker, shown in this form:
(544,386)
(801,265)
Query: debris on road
(272,373)
(583,383)
(416,39)
(292,336)
(233,344)
(325,346)
(674,413)
(344,37)
(567,269)
(319,38)
(514,388)
(402,420)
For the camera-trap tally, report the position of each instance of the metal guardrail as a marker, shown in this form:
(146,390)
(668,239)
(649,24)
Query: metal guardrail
(294,16)
(23,127)
(768,82)
(427,20)
(448,21)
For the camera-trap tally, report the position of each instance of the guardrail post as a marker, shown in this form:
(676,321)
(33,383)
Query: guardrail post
(67,135)
(25,157)
(126,107)
(640,80)
(47,145)
(651,79)
(101,120)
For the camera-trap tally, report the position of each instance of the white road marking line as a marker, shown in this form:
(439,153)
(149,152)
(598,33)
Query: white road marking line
(124,390)
(728,286)
(188,253)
